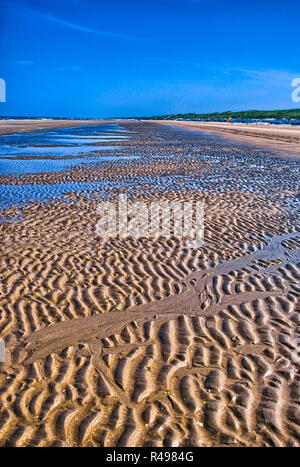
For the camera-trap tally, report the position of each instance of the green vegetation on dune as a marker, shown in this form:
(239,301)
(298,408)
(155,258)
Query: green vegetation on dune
(253,114)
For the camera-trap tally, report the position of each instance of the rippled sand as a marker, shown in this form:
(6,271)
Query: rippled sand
(144,342)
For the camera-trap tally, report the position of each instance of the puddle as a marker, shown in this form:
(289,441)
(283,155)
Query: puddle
(31,166)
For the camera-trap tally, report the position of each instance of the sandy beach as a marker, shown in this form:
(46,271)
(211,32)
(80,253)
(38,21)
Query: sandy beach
(284,139)
(24,126)
(142,341)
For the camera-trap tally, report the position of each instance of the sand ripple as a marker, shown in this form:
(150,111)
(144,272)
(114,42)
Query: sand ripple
(141,342)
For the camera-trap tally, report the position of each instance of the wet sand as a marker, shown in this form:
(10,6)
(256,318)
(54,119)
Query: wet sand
(145,342)
(283,139)
(24,126)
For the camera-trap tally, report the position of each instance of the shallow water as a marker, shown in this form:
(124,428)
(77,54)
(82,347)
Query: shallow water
(19,167)
(55,151)
(10,151)
(24,193)
(57,144)
(216,165)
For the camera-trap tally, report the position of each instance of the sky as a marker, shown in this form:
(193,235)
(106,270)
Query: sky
(126,58)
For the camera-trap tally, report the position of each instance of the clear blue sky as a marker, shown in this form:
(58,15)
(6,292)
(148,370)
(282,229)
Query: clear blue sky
(126,57)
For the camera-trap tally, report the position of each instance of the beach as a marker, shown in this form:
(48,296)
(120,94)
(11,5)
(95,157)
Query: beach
(25,125)
(139,340)
(284,139)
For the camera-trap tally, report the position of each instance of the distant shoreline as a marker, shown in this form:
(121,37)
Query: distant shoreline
(25,126)
(283,139)
(276,115)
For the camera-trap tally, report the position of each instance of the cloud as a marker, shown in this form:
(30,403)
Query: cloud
(263,76)
(78,27)
(65,23)
(278,75)
(21,62)
(277,78)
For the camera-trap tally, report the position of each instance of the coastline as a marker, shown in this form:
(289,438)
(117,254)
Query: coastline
(283,140)
(25,126)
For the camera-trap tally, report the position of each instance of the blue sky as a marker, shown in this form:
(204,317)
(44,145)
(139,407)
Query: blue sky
(98,58)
